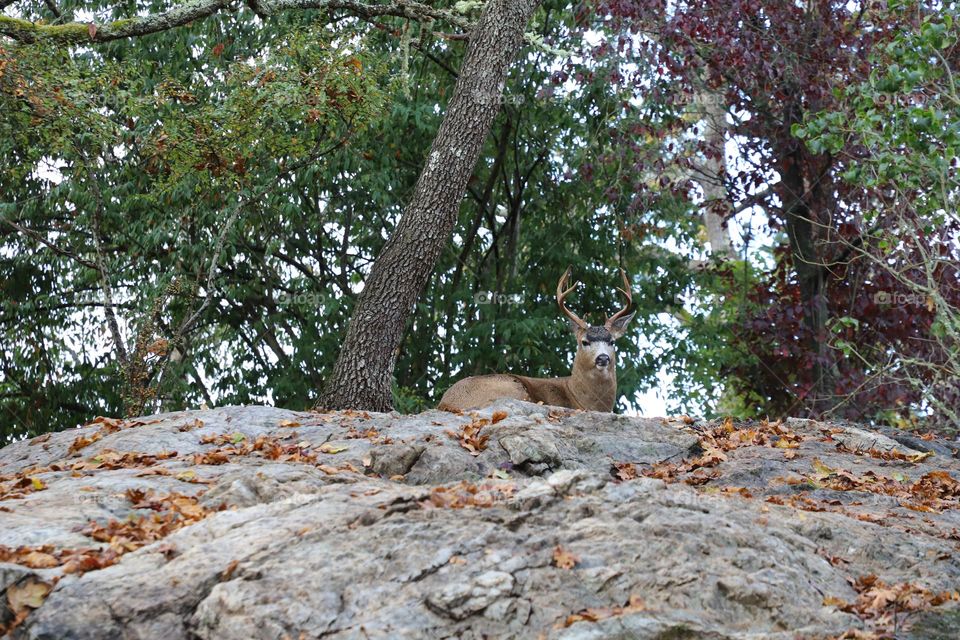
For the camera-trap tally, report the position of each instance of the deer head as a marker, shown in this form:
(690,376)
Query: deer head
(594,365)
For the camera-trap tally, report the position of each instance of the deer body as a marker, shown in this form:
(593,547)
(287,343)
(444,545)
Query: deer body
(592,384)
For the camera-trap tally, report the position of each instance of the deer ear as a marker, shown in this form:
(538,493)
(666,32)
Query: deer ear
(575,329)
(619,326)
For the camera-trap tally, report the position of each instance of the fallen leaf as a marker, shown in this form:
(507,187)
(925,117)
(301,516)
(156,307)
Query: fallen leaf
(228,572)
(833,601)
(593,614)
(820,468)
(563,559)
(470,437)
(29,595)
(39,439)
(40,560)
(624,470)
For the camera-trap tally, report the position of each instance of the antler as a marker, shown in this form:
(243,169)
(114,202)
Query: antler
(561,294)
(626,292)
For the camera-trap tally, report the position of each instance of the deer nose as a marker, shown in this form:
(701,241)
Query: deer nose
(603,360)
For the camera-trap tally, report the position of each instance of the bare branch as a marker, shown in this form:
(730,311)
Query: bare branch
(753,200)
(108,309)
(53,8)
(30,233)
(78,32)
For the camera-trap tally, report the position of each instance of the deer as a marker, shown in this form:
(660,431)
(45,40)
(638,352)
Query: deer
(591,386)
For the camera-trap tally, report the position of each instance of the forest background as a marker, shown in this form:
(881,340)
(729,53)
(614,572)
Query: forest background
(187,216)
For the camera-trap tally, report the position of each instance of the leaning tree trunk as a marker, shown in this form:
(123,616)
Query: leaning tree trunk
(363,373)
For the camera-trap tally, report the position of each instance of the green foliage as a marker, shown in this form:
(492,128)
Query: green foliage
(905,114)
(286,152)
(902,127)
(164,166)
(244,174)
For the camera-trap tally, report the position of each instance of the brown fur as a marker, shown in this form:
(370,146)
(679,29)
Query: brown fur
(591,386)
(588,388)
(479,391)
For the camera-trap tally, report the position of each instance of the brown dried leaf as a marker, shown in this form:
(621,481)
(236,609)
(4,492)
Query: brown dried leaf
(28,595)
(563,559)
(624,470)
(228,572)
(40,560)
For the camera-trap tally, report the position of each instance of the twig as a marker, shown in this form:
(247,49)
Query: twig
(102,267)
(39,238)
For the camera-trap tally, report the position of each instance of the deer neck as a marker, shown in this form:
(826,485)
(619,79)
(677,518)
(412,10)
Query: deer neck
(591,388)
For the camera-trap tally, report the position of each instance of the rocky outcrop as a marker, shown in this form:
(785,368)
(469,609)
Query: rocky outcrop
(518,521)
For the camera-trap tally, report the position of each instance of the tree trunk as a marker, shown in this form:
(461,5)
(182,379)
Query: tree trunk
(363,373)
(803,231)
(713,111)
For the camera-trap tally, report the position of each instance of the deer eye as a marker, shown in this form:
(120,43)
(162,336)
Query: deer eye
(585,343)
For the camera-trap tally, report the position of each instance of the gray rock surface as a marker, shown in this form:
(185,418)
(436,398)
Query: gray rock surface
(355,525)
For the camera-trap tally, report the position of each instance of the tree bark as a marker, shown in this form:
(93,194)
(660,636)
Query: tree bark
(363,372)
(714,113)
(803,231)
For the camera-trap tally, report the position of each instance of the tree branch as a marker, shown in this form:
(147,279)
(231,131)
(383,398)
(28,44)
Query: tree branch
(101,263)
(78,32)
(53,8)
(39,238)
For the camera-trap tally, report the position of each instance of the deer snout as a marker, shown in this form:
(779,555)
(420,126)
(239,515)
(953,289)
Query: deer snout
(602,360)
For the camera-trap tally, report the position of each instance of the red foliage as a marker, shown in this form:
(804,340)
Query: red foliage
(780,62)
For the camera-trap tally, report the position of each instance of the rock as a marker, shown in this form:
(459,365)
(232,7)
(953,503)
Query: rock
(935,626)
(532,447)
(395,460)
(351,525)
(860,440)
(459,601)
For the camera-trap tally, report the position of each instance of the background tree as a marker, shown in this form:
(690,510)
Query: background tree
(363,374)
(233,247)
(896,132)
(777,65)
(362,377)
